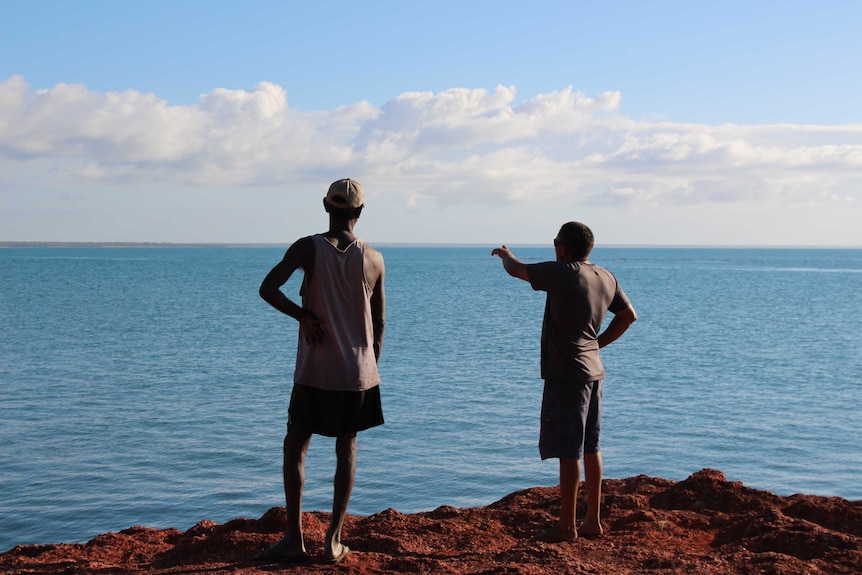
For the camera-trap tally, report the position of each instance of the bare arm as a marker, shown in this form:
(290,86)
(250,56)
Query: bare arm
(618,326)
(299,255)
(375,272)
(513,266)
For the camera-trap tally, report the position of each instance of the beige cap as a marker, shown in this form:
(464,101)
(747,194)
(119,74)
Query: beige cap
(345,193)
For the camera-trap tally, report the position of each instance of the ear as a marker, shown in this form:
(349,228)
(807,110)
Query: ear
(325,205)
(562,252)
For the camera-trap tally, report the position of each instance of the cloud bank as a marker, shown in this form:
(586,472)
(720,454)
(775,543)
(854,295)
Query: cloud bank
(457,146)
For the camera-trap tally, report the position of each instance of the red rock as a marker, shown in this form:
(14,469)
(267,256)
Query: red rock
(703,525)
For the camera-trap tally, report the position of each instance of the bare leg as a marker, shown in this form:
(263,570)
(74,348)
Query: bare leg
(295,448)
(592,524)
(570,479)
(345,473)
(292,546)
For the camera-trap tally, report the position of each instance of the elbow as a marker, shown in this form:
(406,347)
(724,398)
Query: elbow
(629,316)
(265,292)
(378,326)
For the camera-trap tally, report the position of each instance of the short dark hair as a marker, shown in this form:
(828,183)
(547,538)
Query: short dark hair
(577,238)
(343,213)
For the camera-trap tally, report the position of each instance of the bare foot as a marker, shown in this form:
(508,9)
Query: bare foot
(284,552)
(591,529)
(336,557)
(557,534)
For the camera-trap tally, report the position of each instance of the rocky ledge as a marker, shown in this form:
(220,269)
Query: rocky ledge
(702,525)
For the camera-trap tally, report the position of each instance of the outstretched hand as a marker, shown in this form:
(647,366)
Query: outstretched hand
(502,251)
(513,266)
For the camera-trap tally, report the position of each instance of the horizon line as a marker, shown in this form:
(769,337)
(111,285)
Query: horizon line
(121,244)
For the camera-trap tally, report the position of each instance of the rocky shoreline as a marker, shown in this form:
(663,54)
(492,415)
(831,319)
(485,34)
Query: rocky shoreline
(702,525)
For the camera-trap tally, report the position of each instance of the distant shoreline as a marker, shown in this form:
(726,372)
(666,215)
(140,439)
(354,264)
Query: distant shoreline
(133,245)
(26,244)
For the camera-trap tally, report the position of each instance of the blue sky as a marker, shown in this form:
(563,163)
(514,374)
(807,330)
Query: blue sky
(713,123)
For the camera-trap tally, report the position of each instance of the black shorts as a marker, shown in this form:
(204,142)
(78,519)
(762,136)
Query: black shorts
(333,413)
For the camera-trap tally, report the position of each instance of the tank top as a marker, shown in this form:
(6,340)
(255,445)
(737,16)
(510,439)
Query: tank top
(340,296)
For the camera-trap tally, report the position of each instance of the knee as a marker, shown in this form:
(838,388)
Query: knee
(295,445)
(345,446)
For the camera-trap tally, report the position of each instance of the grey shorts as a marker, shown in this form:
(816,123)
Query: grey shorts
(571,419)
(333,413)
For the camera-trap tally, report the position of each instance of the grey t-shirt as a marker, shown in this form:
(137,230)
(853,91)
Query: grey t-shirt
(579,295)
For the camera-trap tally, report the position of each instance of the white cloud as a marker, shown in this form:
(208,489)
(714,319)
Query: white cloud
(454,147)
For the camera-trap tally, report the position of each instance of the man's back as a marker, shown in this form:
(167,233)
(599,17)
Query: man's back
(338,293)
(579,295)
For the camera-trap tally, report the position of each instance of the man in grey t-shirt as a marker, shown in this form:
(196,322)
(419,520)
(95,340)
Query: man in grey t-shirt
(579,295)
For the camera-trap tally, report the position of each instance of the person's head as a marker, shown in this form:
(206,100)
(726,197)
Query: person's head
(574,241)
(345,199)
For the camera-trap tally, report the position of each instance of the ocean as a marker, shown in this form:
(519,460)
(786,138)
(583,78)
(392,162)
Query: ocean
(149,385)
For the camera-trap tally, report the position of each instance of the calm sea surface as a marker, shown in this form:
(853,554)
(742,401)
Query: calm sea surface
(149,386)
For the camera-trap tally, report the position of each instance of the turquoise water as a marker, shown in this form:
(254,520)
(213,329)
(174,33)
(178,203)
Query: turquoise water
(149,386)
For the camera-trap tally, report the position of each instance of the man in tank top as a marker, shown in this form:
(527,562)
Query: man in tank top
(336,383)
(579,294)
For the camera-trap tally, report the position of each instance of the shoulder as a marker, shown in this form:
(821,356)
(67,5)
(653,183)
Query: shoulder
(368,249)
(542,275)
(373,263)
(605,271)
(373,255)
(549,267)
(550,264)
(611,281)
(305,243)
(302,250)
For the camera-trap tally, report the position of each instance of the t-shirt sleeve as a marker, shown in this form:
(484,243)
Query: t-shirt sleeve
(620,301)
(543,275)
